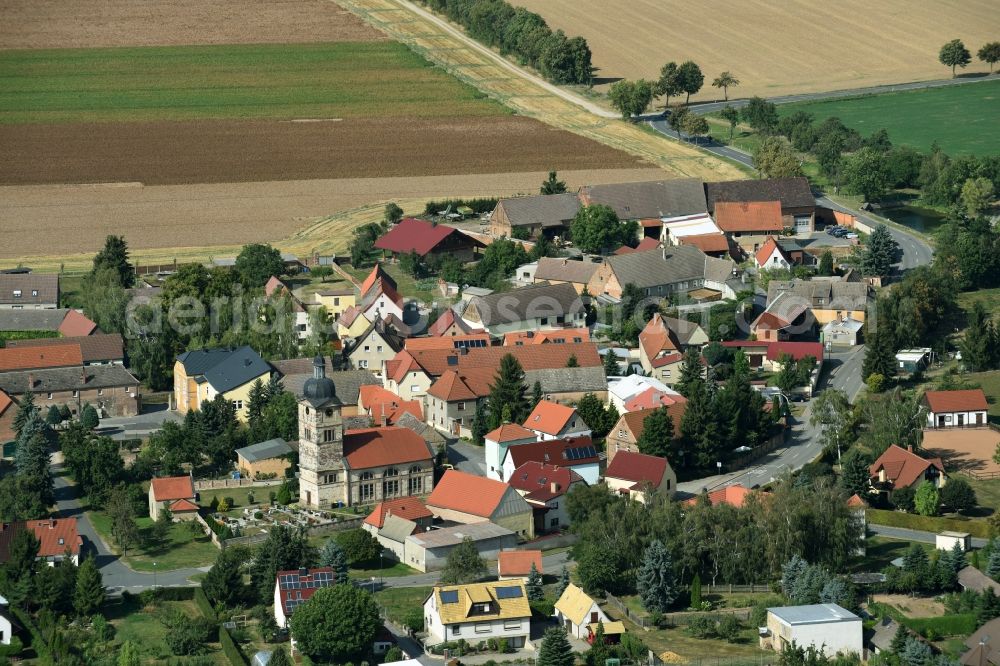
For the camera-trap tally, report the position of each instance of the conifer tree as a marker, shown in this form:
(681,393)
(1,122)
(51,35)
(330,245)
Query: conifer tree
(555,649)
(508,390)
(534,585)
(89,595)
(656,581)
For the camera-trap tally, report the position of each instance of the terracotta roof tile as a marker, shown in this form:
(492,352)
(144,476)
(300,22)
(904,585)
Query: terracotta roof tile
(467,493)
(518,562)
(903,468)
(183,506)
(765,251)
(381,447)
(407,508)
(376,274)
(707,242)
(637,467)
(531,357)
(657,337)
(93,348)
(734,495)
(652,398)
(565,452)
(549,417)
(448,319)
(969,400)
(76,324)
(56,536)
(536,480)
(509,432)
(797,350)
(752,216)
(558,336)
(47,356)
(166,489)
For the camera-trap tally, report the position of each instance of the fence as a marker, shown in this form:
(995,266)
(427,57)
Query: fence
(770,445)
(640,620)
(738,589)
(216,484)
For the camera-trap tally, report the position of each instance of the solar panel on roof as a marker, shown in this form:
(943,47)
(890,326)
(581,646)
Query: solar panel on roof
(508,592)
(449,597)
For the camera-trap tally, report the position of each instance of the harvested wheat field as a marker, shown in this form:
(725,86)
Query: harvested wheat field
(169,153)
(68,223)
(51,24)
(777,48)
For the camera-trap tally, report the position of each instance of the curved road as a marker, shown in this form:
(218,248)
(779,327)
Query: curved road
(117,577)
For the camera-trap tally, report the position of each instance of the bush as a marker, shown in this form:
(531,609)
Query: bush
(946,625)
(13,649)
(702,626)
(729,628)
(479,206)
(542,608)
(503,647)
(203,604)
(230,649)
(414,620)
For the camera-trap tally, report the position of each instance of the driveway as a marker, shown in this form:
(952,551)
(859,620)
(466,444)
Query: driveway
(141,425)
(914,535)
(117,577)
(467,457)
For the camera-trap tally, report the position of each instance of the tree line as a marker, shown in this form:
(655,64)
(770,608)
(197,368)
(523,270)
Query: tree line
(631,98)
(523,34)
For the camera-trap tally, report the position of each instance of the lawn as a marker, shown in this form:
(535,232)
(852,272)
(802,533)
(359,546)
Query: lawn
(422,290)
(142,626)
(977,528)
(182,548)
(990,383)
(881,551)
(987,492)
(392,569)
(990,299)
(962,119)
(278,81)
(261,495)
(398,602)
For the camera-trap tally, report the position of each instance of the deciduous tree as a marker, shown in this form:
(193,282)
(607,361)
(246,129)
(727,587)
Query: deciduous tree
(760,114)
(926,500)
(725,81)
(773,158)
(668,84)
(977,195)
(358,545)
(690,79)
(990,53)
(257,263)
(630,98)
(866,173)
(958,495)
(464,564)
(954,54)
(657,434)
(731,116)
(597,227)
(337,624)
(393,213)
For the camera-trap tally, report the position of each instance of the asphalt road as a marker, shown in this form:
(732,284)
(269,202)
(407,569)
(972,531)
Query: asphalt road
(913,535)
(117,577)
(551,564)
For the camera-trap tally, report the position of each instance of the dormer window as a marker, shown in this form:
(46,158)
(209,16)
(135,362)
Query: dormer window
(17,293)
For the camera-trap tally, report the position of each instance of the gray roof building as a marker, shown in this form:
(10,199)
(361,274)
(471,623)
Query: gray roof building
(558,269)
(547,210)
(791,192)
(348,382)
(813,614)
(98,348)
(272,448)
(32,320)
(224,369)
(397,529)
(826,294)
(29,290)
(433,438)
(452,536)
(537,301)
(885,631)
(568,380)
(652,199)
(52,380)
(668,266)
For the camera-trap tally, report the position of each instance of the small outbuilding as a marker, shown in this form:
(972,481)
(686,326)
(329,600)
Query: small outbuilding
(828,627)
(264,459)
(844,332)
(947,540)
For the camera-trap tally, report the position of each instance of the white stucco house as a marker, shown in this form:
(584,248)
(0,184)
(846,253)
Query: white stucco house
(828,627)
(498,441)
(478,612)
(551,420)
(576,611)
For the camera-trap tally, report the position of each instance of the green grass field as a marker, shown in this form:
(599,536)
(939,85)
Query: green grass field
(962,119)
(263,81)
(182,549)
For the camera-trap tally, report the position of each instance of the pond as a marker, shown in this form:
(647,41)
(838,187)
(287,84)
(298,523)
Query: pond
(917,218)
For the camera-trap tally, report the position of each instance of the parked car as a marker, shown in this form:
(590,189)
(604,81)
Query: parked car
(832,230)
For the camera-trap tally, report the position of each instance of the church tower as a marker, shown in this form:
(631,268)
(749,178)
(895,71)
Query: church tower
(322,477)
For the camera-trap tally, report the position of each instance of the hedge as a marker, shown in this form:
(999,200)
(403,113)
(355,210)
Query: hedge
(204,605)
(946,625)
(230,648)
(38,643)
(176,593)
(25,335)
(911,521)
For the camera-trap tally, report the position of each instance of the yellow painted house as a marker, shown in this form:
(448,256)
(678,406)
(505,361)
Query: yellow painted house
(335,300)
(202,374)
(351,324)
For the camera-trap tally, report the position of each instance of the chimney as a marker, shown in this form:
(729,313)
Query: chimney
(31,380)
(83,375)
(909,447)
(303,571)
(554,487)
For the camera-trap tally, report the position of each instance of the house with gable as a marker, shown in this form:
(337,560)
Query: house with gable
(175,493)
(950,409)
(499,441)
(466,498)
(29,291)
(202,374)
(58,539)
(351,323)
(276,288)
(753,209)
(543,213)
(625,434)
(538,307)
(574,453)
(379,296)
(374,348)
(550,420)
(450,324)
(404,376)
(662,343)
(633,474)
(575,610)
(560,270)
(478,611)
(335,300)
(772,256)
(428,240)
(545,486)
(670,272)
(902,468)
(623,389)
(295,587)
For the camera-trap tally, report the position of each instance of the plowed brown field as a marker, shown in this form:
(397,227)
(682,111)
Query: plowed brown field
(52,24)
(168,153)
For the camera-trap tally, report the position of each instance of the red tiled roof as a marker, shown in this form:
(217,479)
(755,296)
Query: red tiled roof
(408,508)
(657,337)
(637,467)
(509,432)
(652,398)
(56,536)
(531,357)
(707,242)
(413,235)
(170,488)
(903,468)
(797,350)
(75,324)
(636,420)
(536,480)
(733,495)
(95,347)
(624,249)
(855,501)
(467,493)
(968,400)
(450,387)
(446,321)
(667,359)
(448,342)
(760,216)
(401,365)
(35,358)
(5,401)
(768,248)
(518,562)
(183,506)
(381,447)
(558,336)
(651,222)
(303,583)
(377,273)
(553,452)
(770,321)
(380,403)
(549,417)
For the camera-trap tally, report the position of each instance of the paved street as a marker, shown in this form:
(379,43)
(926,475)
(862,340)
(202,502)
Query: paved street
(913,535)
(149,421)
(117,576)
(551,564)
(467,457)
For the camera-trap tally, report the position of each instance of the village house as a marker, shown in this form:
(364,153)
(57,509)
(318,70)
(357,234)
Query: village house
(111,389)
(174,493)
(8,410)
(652,398)
(715,245)
(465,498)
(351,323)
(560,270)
(575,610)
(7,622)
(295,587)
(545,486)
(375,347)
(407,508)
(478,611)
(96,349)
(393,533)
(983,648)
(675,229)
(649,200)
(29,291)
(380,296)
(533,215)
(772,256)
(537,307)
(513,564)
(404,376)
(796,206)
(662,342)
(336,300)
(428,240)
(634,474)
(458,341)
(296,372)
(573,453)
(822,300)
(550,420)
(672,272)
(264,460)
(558,336)
(902,468)
(829,628)
(734,495)
(951,409)
(203,374)
(623,389)
(276,289)
(350,467)
(749,224)
(646,244)
(449,324)
(65,322)
(58,539)
(499,441)
(428,550)
(844,332)
(767,355)
(385,407)
(625,434)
